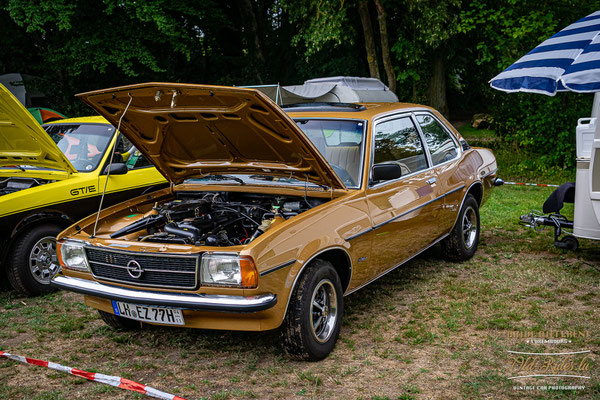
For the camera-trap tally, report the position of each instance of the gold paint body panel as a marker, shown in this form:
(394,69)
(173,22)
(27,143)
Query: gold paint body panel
(378,227)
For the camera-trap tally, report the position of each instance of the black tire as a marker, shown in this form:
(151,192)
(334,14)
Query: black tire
(301,339)
(461,244)
(569,242)
(119,323)
(31,262)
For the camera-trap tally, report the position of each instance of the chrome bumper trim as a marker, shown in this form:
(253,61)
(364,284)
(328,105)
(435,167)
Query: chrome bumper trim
(198,302)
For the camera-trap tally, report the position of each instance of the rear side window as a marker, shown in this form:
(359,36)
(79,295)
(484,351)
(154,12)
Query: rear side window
(441,146)
(399,141)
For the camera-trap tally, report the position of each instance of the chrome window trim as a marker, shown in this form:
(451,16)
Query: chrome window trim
(385,118)
(197,257)
(363,148)
(457,145)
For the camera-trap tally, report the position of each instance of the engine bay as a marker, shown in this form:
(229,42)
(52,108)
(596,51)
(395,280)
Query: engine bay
(12,185)
(216,218)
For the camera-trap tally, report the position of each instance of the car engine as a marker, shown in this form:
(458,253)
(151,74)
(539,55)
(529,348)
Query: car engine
(216,218)
(12,185)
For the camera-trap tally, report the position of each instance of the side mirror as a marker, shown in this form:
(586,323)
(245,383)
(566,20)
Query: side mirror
(386,172)
(116,169)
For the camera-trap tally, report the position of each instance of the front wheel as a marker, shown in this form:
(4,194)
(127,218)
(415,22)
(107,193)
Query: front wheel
(33,262)
(312,324)
(462,242)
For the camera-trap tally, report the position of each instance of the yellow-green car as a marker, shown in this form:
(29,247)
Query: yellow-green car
(51,176)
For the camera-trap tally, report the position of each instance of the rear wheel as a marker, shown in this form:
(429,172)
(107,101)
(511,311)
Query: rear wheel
(312,324)
(32,262)
(119,323)
(462,242)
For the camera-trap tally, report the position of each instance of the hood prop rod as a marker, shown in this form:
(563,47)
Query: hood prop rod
(112,155)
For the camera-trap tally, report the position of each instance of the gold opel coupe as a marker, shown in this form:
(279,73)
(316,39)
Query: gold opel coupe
(273,215)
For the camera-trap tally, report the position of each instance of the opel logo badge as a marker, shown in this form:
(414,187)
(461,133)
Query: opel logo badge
(134,269)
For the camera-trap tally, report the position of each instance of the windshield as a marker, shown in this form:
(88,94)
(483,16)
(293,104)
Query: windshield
(82,144)
(341,143)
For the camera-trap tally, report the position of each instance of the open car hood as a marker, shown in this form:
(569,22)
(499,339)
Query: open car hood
(190,131)
(23,141)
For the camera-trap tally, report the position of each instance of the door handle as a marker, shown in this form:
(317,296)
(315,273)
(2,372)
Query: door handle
(431,181)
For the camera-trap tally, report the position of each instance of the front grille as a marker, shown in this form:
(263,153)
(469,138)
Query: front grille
(164,271)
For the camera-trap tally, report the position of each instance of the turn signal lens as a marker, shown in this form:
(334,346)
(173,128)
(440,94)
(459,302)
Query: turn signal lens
(249,272)
(59,253)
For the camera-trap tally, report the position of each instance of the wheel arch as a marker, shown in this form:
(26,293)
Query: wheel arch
(340,259)
(51,217)
(476,189)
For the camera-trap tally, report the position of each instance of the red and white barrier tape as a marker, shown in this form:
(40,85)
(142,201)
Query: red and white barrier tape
(115,381)
(530,184)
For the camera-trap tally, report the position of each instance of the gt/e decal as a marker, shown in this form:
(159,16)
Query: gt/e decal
(83,190)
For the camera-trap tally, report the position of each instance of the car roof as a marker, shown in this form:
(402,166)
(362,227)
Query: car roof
(349,110)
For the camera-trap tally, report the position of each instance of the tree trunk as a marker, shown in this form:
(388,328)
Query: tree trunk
(365,18)
(385,47)
(253,42)
(437,86)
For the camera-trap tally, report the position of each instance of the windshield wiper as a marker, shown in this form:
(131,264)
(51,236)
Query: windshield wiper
(262,177)
(224,178)
(293,181)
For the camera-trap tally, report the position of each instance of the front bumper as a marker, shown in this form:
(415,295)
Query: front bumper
(197,302)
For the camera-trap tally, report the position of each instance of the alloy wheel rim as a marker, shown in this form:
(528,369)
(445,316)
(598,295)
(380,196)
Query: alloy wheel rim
(469,227)
(43,262)
(324,309)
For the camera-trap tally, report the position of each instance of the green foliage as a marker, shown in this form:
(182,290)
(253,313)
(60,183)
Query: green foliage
(538,130)
(541,125)
(319,23)
(75,46)
(424,27)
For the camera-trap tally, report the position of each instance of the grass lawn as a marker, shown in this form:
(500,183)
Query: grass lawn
(515,165)
(431,329)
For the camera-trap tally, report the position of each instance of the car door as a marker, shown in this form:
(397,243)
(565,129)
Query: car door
(403,210)
(140,176)
(445,153)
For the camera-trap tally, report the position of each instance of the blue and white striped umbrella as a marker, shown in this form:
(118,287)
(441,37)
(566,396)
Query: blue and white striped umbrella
(568,61)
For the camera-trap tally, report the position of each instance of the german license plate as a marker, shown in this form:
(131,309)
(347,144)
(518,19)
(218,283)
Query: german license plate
(157,315)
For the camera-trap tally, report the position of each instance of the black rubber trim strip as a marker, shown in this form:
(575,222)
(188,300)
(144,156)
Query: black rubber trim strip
(277,268)
(489,173)
(404,213)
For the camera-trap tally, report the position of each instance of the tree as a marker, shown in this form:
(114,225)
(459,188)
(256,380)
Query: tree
(385,47)
(425,44)
(365,18)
